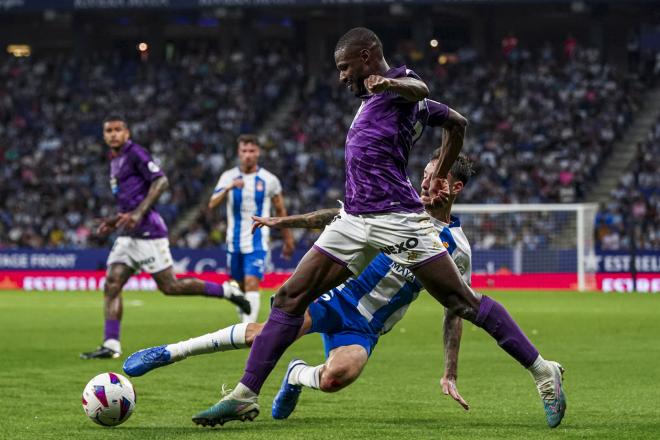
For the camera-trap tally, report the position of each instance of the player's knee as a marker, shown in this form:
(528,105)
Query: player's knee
(168,288)
(288,301)
(463,309)
(112,287)
(335,378)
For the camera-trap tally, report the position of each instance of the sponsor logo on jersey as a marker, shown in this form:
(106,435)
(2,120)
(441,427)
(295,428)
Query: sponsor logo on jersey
(259,187)
(404,246)
(113,185)
(153,167)
(404,272)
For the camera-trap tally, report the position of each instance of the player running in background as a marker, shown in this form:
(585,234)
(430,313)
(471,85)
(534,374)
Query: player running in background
(351,317)
(249,190)
(384,213)
(137,182)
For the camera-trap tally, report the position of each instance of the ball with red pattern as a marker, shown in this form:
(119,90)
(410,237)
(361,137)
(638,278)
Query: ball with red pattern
(109,399)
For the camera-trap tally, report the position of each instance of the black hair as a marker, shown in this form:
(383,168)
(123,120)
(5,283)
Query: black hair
(359,37)
(461,170)
(115,117)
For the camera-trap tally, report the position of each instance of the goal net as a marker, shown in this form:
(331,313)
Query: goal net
(531,246)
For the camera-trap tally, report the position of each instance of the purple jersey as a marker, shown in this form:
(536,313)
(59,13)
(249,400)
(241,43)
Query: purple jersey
(131,173)
(383,131)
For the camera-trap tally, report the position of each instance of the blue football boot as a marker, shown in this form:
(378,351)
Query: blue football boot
(144,361)
(287,397)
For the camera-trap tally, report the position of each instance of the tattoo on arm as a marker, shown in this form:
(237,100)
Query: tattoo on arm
(310,220)
(452,332)
(156,189)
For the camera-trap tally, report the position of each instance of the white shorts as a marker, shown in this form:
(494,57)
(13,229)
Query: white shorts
(149,255)
(409,239)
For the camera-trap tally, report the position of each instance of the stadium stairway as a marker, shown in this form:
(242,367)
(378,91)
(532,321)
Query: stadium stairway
(624,151)
(279,115)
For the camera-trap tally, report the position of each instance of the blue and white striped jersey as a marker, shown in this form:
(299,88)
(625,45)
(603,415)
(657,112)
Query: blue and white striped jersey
(254,198)
(383,292)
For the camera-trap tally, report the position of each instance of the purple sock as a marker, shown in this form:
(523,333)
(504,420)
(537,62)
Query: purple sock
(213,289)
(279,332)
(494,318)
(111,329)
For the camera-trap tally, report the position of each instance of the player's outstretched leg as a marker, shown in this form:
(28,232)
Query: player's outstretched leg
(234,337)
(442,279)
(316,273)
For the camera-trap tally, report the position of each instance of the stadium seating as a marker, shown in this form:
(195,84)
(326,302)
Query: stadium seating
(187,112)
(635,204)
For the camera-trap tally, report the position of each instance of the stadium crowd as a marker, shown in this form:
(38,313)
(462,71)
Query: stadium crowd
(634,208)
(54,167)
(540,127)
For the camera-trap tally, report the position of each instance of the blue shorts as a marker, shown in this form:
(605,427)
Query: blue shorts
(340,323)
(241,265)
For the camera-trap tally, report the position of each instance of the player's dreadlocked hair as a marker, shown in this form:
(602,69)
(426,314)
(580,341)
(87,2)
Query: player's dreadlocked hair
(359,37)
(462,169)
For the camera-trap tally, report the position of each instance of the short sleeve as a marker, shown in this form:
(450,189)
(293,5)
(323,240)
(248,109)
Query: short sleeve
(275,187)
(438,113)
(223,182)
(400,72)
(145,164)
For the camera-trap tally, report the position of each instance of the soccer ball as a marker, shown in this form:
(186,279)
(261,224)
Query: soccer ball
(108,399)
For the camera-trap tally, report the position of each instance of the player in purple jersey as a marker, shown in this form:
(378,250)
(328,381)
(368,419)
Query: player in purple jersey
(383,213)
(137,182)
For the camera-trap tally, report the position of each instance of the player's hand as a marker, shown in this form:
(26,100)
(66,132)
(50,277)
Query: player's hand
(287,249)
(128,220)
(377,84)
(438,192)
(260,222)
(238,183)
(449,388)
(106,225)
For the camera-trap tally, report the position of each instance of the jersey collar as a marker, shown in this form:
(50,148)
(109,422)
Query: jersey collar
(454,222)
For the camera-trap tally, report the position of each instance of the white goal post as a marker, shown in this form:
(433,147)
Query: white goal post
(537,240)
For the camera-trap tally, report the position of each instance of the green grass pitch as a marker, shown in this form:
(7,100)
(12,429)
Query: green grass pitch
(607,343)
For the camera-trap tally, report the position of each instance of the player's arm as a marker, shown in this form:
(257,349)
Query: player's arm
(311,220)
(452,332)
(287,236)
(453,135)
(130,220)
(411,89)
(219,196)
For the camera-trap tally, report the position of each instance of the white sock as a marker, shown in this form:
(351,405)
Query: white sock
(229,338)
(254,299)
(244,393)
(306,375)
(540,370)
(112,344)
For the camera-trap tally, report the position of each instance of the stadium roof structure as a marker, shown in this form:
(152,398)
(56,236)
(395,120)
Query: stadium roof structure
(71,5)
